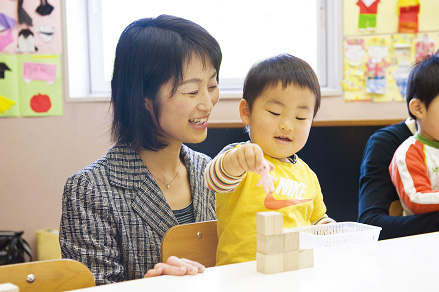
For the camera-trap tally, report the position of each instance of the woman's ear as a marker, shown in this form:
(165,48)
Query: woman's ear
(149,105)
(416,108)
(244,111)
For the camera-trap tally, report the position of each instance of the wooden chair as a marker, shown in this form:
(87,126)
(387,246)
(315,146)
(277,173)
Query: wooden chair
(48,276)
(194,241)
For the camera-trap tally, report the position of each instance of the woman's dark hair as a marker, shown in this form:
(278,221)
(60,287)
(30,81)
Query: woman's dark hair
(149,53)
(423,81)
(283,68)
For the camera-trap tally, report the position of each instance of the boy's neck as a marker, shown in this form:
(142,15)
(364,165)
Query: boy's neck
(426,140)
(292,159)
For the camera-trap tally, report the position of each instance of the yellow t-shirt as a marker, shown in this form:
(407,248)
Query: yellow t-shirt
(297,197)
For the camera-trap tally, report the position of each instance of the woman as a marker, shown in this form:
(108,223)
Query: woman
(116,210)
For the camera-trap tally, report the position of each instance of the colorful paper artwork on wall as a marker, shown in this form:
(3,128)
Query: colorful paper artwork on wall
(408,11)
(376,67)
(30,58)
(390,37)
(368,14)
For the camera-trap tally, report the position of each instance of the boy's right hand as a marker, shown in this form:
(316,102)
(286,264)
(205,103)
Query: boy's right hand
(248,157)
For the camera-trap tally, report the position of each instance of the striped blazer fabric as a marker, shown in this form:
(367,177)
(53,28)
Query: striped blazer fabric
(114,215)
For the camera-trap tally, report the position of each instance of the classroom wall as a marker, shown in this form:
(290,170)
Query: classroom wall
(36,157)
(333,111)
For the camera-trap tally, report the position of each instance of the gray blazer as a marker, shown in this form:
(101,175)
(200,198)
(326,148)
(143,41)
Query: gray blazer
(114,215)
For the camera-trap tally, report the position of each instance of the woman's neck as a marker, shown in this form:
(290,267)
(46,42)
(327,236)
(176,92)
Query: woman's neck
(170,174)
(162,161)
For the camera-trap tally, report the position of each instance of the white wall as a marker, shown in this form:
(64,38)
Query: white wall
(36,157)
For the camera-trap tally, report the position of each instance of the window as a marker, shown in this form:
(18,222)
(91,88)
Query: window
(246,30)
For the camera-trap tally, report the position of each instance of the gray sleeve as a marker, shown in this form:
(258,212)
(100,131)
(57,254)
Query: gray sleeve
(87,231)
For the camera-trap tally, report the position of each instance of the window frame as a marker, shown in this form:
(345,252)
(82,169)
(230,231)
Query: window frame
(78,83)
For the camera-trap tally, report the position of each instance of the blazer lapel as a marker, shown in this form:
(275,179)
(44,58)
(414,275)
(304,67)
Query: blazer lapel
(151,206)
(199,198)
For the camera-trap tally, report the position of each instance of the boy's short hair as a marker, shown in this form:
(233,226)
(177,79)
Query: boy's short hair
(423,81)
(149,53)
(283,68)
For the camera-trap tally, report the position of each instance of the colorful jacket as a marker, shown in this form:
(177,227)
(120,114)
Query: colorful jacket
(415,173)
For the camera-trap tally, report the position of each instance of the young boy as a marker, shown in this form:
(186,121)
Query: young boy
(414,169)
(281,97)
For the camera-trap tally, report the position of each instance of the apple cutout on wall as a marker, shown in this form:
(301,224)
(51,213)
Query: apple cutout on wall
(40,103)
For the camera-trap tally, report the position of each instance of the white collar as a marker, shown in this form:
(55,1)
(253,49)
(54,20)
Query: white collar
(411,124)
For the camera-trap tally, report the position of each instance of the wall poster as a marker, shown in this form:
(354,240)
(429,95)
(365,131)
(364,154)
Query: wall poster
(382,40)
(30,58)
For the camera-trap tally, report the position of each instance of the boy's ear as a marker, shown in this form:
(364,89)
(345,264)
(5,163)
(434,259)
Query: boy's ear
(244,111)
(416,107)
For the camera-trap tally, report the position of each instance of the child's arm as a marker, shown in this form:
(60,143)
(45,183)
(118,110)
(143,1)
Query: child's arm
(217,179)
(226,170)
(324,220)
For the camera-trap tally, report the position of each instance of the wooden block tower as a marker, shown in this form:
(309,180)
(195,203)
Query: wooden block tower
(278,250)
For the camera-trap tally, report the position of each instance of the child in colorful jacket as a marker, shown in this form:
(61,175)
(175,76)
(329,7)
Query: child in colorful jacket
(414,169)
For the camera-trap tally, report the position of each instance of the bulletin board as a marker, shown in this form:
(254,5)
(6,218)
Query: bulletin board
(30,58)
(382,40)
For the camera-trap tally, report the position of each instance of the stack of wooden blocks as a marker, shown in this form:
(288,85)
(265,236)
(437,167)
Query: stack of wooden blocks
(279,250)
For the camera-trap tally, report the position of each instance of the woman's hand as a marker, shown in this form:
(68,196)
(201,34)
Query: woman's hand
(176,267)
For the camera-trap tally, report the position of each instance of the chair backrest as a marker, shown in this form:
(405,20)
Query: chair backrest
(48,247)
(194,241)
(48,276)
(395,208)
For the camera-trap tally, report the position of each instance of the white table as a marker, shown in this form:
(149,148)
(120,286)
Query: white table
(402,264)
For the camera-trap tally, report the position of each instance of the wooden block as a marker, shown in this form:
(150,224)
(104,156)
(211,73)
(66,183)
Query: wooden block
(269,263)
(291,240)
(8,287)
(270,244)
(306,258)
(269,223)
(290,260)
